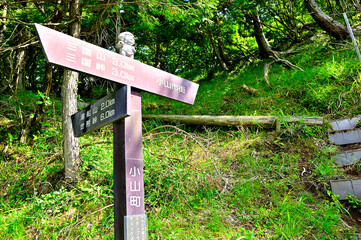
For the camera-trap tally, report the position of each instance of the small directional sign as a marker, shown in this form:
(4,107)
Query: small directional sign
(73,53)
(104,111)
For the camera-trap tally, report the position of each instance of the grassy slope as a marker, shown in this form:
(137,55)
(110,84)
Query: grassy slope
(203,183)
(328,87)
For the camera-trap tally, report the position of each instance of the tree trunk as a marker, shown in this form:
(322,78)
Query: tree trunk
(222,52)
(19,74)
(336,29)
(247,121)
(263,45)
(69,103)
(35,125)
(216,51)
(158,58)
(21,58)
(3,21)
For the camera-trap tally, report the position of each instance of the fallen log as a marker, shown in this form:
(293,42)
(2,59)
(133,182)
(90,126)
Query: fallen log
(250,90)
(247,121)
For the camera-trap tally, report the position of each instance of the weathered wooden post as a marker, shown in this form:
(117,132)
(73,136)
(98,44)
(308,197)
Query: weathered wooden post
(129,210)
(124,109)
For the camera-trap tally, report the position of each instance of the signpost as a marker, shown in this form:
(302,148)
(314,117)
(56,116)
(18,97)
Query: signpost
(124,109)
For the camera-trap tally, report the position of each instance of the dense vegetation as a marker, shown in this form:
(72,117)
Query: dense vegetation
(200,182)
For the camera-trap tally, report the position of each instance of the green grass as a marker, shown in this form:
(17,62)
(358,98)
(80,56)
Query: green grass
(200,183)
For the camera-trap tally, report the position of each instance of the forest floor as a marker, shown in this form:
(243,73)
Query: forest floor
(200,182)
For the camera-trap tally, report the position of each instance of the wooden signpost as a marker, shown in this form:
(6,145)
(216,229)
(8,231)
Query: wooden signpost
(104,111)
(123,108)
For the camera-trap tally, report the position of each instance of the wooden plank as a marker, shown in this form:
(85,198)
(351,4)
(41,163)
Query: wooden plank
(348,157)
(344,187)
(345,137)
(344,124)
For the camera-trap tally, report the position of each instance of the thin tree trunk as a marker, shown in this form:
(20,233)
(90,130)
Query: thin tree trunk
(158,58)
(327,23)
(264,47)
(222,52)
(21,58)
(3,74)
(3,21)
(69,102)
(218,55)
(34,125)
(19,74)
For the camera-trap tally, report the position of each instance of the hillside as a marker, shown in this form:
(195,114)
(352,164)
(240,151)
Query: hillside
(327,87)
(200,182)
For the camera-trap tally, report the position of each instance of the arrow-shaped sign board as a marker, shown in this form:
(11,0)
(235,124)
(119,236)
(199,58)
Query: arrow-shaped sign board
(109,109)
(69,52)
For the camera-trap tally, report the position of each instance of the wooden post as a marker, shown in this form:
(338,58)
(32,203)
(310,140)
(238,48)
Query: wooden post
(63,50)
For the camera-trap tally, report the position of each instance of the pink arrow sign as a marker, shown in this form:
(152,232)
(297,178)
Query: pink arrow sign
(69,52)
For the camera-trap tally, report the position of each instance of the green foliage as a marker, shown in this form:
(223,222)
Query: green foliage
(326,87)
(200,183)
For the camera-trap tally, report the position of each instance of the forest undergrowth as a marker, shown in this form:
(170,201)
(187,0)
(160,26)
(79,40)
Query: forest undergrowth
(200,182)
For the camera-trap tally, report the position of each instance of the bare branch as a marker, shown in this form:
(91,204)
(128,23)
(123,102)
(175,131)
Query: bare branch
(20,46)
(45,24)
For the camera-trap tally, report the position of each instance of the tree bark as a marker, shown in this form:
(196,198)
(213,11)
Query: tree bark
(21,58)
(3,21)
(35,125)
(336,29)
(19,77)
(216,51)
(222,52)
(158,55)
(247,121)
(264,47)
(69,103)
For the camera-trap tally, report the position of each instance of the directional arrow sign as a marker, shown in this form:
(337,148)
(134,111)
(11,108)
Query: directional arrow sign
(110,108)
(69,52)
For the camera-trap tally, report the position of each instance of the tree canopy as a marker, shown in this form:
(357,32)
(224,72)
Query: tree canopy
(185,37)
